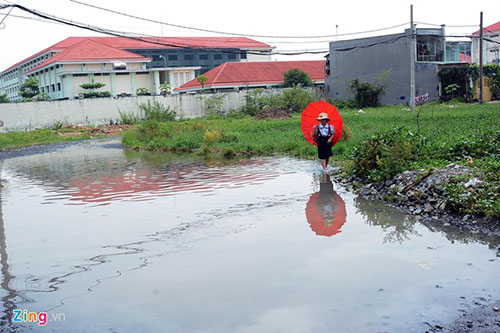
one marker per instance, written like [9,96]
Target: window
[84,67]
[243,54]
[58,87]
[79,75]
[156,58]
[142,73]
[103,66]
[52,87]
[173,57]
[188,57]
[203,56]
[217,56]
[121,73]
[231,56]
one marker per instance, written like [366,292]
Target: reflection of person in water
[326,204]
[325,210]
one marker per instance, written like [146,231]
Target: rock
[474,182]
[428,207]
[418,211]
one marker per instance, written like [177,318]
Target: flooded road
[104,239]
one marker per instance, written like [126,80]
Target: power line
[150,40]
[225,32]
[449,26]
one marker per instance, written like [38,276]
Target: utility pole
[481,59]
[412,60]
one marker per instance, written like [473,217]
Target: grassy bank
[246,135]
[14,140]
[382,142]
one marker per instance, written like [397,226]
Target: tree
[91,88]
[29,88]
[202,79]
[4,99]
[296,77]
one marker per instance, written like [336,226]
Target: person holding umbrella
[323,134]
[322,126]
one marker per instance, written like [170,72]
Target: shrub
[346,133]
[156,111]
[211,136]
[129,118]
[385,154]
[42,97]
[93,85]
[366,94]
[350,104]
[213,103]
[296,99]
[4,99]
[142,92]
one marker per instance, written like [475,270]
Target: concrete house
[385,60]
[125,64]
[491,44]
[246,75]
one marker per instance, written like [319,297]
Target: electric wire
[226,32]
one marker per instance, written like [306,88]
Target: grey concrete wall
[34,115]
[375,57]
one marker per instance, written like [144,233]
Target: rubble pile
[422,193]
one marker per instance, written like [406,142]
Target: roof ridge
[218,74]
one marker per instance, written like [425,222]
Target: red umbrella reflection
[325,210]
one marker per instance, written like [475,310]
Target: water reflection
[400,227]
[106,175]
[325,210]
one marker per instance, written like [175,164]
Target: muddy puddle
[106,240]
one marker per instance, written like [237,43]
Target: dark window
[97,74]
[105,74]
[217,56]
[188,57]
[58,87]
[172,57]
[42,89]
[52,87]
[79,75]
[142,73]
[243,54]
[203,56]
[231,56]
[121,73]
[156,58]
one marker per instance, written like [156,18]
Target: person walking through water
[323,134]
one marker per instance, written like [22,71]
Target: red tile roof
[489,29]
[126,43]
[90,50]
[256,73]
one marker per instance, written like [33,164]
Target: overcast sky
[20,38]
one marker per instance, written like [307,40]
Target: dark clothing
[324,147]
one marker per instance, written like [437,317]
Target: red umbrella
[312,111]
[326,214]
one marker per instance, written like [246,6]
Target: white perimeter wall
[99,111]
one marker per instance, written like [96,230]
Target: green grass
[13,140]
[284,137]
